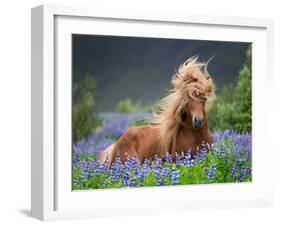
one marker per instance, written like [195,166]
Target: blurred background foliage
[127,106]
[84,120]
[232,108]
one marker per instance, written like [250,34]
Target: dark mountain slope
[141,68]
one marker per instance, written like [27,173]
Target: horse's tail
[107,155]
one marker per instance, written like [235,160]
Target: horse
[181,123]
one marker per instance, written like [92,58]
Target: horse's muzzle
[197,123]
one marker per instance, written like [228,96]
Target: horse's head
[195,91]
[195,109]
[192,94]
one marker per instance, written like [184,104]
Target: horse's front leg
[173,150]
[173,147]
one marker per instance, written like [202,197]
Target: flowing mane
[192,77]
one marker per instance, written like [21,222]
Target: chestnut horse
[180,125]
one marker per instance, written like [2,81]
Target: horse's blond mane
[192,77]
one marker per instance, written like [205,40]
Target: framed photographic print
[137,112]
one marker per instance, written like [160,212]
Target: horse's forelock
[194,77]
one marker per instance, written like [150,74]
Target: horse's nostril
[196,120]
[197,123]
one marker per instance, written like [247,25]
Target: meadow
[228,161]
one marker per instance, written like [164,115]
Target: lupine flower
[126,178]
[175,177]
[234,170]
[202,154]
[157,163]
[179,161]
[243,173]
[116,169]
[143,172]
[212,172]
[166,172]
[168,157]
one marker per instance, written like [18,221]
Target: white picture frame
[52,197]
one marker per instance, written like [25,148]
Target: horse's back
[142,141]
[138,142]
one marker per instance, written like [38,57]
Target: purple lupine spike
[166,172]
[175,177]
[234,170]
[178,160]
[212,172]
[157,162]
[168,157]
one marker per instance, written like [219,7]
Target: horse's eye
[183,116]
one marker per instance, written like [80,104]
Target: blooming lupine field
[228,161]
